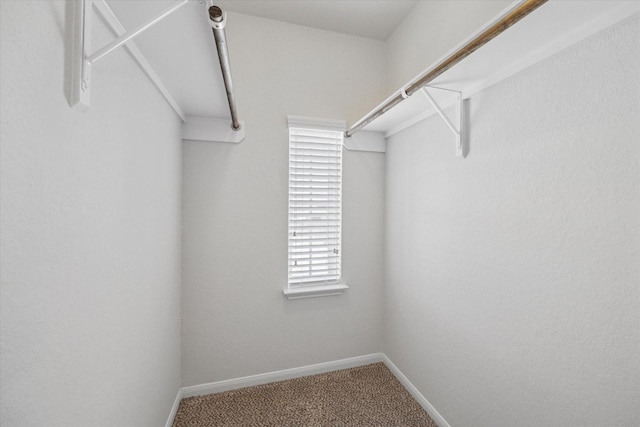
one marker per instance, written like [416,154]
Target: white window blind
[315,206]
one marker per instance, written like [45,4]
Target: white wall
[512,293]
[90,248]
[431,30]
[236,321]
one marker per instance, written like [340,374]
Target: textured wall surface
[90,225]
[512,294]
[236,320]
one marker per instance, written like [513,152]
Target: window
[315,210]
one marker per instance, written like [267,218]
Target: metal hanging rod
[512,17]
[218,20]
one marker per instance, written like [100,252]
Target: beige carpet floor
[363,396]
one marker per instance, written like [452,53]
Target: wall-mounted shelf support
[80,88]
[79,75]
[458,131]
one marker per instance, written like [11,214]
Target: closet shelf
[81,61]
[550,28]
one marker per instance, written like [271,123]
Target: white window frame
[331,284]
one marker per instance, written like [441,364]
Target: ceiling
[182,52]
[375,19]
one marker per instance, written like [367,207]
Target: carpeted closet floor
[363,396]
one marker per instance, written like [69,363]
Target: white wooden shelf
[552,27]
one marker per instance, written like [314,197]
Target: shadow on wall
[66,33]
[466,127]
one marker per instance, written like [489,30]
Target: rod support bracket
[457,130]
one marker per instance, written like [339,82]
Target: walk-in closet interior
[201,196]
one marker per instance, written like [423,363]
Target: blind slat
[315,174]
[325,263]
[319,154]
[314,268]
[298,242]
[315,209]
[307,251]
[317,206]
[318,228]
[319,191]
[310,252]
[321,257]
[298,221]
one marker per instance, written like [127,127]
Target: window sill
[314,291]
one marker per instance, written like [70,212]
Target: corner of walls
[415,393]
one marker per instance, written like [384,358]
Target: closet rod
[218,20]
[506,21]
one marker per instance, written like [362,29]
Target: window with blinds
[315,206]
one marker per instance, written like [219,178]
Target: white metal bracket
[83,60]
[458,131]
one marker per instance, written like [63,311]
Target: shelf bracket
[458,131]
[82,60]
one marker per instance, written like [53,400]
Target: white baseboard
[303,371]
[426,405]
[174,409]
